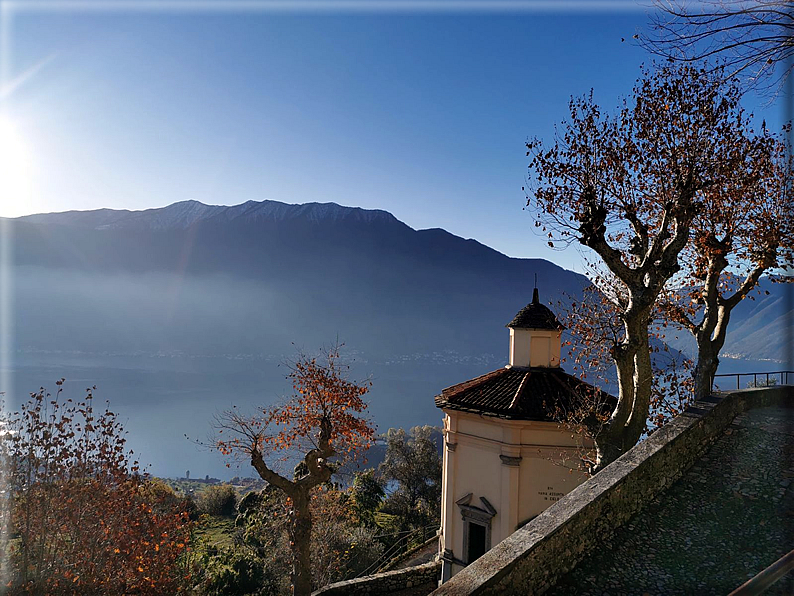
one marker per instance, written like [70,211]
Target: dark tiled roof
[535,316]
[521,394]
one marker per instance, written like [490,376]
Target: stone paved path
[728,518]
[424,555]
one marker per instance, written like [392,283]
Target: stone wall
[412,581]
[531,559]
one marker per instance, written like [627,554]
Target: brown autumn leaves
[79,515]
[323,420]
[683,204]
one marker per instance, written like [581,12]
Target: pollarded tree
[628,187]
[323,420]
[593,323]
[744,230]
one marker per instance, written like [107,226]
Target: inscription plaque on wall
[550,494]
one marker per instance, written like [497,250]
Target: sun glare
[16,180]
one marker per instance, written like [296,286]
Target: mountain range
[284,273]
[178,312]
[326,269]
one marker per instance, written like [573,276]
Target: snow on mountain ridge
[177,215]
[315,212]
[184,214]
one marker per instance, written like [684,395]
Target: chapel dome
[535,316]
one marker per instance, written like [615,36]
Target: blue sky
[423,114]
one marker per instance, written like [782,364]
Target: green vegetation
[218,500]
[413,468]
[772,382]
[153,536]
[213,531]
[194,486]
[356,530]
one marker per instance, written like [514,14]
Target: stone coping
[411,581]
[530,560]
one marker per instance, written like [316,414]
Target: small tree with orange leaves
[324,419]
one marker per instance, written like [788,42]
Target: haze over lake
[179,313]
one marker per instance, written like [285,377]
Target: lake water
[162,398]
[734,366]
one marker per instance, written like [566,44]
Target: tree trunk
[610,439]
[635,379]
[710,338]
[301,534]
[643,384]
[608,449]
[706,368]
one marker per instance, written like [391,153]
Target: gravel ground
[728,518]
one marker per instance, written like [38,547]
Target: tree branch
[277,480]
[316,460]
[749,282]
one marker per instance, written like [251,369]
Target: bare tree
[593,323]
[742,232]
[629,187]
[753,38]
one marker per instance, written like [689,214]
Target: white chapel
[506,457]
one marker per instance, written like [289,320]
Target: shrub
[367,495]
[771,382]
[340,548]
[85,519]
[218,499]
[236,571]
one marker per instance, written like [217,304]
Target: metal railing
[399,547]
[767,379]
[764,580]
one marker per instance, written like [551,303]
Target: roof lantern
[535,336]
[535,316]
